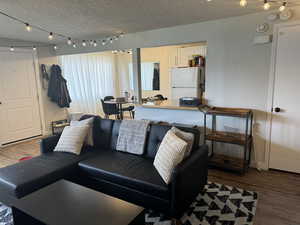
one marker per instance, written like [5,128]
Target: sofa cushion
[27,176]
[126,169]
[102,132]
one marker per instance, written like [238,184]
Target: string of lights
[52,35]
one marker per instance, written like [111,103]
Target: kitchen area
[181,91]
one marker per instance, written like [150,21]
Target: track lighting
[34,48]
[95,44]
[50,37]
[266,5]
[28,27]
[282,8]
[243,3]
[74,45]
[111,40]
[12,48]
[103,42]
[83,43]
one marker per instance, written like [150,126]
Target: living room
[93,105]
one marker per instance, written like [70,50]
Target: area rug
[218,204]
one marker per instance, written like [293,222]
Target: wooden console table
[242,139]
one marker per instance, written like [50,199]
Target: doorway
[285,125]
[19,105]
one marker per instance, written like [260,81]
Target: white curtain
[89,77]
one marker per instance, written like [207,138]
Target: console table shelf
[228,137]
[244,140]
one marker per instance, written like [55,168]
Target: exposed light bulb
[282,8]
[55,47]
[12,49]
[95,44]
[74,45]
[111,40]
[69,41]
[83,43]
[50,37]
[34,48]
[28,27]
[243,3]
[103,42]
[266,5]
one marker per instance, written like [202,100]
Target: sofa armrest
[188,180]
[48,144]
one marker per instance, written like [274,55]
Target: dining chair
[110,109]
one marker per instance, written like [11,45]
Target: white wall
[237,70]
[51,111]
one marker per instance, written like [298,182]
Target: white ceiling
[86,19]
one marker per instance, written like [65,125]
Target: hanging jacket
[57,89]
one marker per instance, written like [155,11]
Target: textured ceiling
[84,19]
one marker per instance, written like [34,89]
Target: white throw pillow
[187,137]
[71,139]
[87,122]
[170,153]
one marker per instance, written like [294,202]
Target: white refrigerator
[186,82]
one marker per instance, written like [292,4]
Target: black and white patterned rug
[217,204]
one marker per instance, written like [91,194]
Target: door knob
[277,109]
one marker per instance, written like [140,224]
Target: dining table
[119,104]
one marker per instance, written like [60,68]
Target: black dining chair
[107,98]
[110,109]
[129,109]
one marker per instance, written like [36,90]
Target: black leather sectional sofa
[129,177]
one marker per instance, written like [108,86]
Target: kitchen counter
[168,104]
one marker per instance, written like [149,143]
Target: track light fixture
[283,7]
[50,37]
[69,42]
[266,5]
[28,27]
[243,3]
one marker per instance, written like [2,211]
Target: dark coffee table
[67,203]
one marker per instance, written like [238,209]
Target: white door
[285,136]
[19,108]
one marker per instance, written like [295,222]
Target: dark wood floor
[278,192]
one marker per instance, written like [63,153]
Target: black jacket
[57,89]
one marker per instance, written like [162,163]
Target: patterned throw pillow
[87,122]
[187,137]
[71,139]
[170,153]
